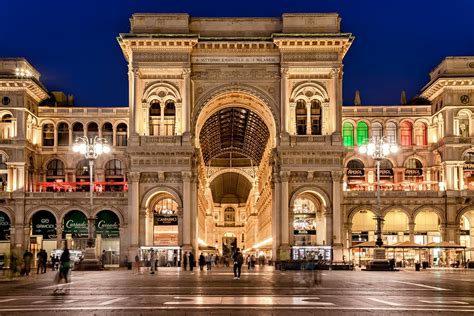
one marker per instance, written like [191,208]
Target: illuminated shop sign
[468,166]
[75,222]
[355,172]
[107,224]
[44,223]
[4,226]
[413,172]
[165,220]
[386,172]
[304,232]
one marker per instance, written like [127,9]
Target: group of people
[207,260]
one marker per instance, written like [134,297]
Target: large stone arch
[463,211]
[10,213]
[151,193]
[230,170]
[242,95]
[320,193]
[357,209]
[401,208]
[114,210]
[65,210]
[432,208]
[32,211]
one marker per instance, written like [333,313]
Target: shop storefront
[413,175]
[5,225]
[107,228]
[43,232]
[355,176]
[75,229]
[311,253]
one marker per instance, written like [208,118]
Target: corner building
[235,136]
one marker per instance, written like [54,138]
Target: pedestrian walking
[63,273]
[103,257]
[137,263]
[216,260]
[152,261]
[209,261]
[201,261]
[249,262]
[39,261]
[44,258]
[185,261]
[238,261]
[27,258]
[192,261]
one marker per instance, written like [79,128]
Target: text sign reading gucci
[166,220]
[236,60]
[44,223]
[4,226]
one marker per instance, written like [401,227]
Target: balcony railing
[119,186]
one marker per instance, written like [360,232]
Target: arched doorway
[308,229]
[107,229]
[43,232]
[427,230]
[75,229]
[5,225]
[363,227]
[466,237]
[395,227]
[235,142]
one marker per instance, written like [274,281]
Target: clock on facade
[464,99]
[5,100]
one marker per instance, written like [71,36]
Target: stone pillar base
[132,252]
[338,253]
[284,253]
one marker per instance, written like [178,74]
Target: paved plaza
[264,291]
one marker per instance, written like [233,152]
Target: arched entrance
[235,133]
[107,229]
[363,226]
[43,232]
[427,230]
[466,238]
[308,233]
[5,225]
[75,229]
[395,227]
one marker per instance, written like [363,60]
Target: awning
[367,244]
[406,244]
[444,244]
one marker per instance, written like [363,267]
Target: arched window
[166,207]
[3,172]
[170,117]
[315,117]
[391,133]
[82,175]
[386,170]
[108,133]
[92,130]
[154,118]
[114,172]
[355,164]
[377,130]
[54,172]
[421,135]
[406,130]
[413,163]
[463,119]
[301,117]
[229,217]
[121,135]
[348,134]
[63,134]
[48,135]
[362,133]
[77,131]
[7,118]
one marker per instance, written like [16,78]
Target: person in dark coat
[185,260]
[201,261]
[238,261]
[44,257]
[27,258]
[191,261]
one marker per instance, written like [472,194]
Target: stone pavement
[263,291]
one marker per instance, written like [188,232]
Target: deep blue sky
[73,43]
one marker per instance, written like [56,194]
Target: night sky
[73,43]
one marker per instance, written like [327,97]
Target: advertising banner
[44,223]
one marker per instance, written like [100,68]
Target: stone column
[284,215]
[133,213]
[179,212]
[9,178]
[411,229]
[71,140]
[337,214]
[143,229]
[187,229]
[132,87]
[308,119]
[328,220]
[149,227]
[284,99]
[348,241]
[276,221]
[186,104]
[461,177]
[195,215]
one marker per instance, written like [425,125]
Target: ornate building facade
[234,136]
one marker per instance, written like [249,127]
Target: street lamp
[91,148]
[378,148]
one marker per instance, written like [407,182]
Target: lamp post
[91,148]
[378,148]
